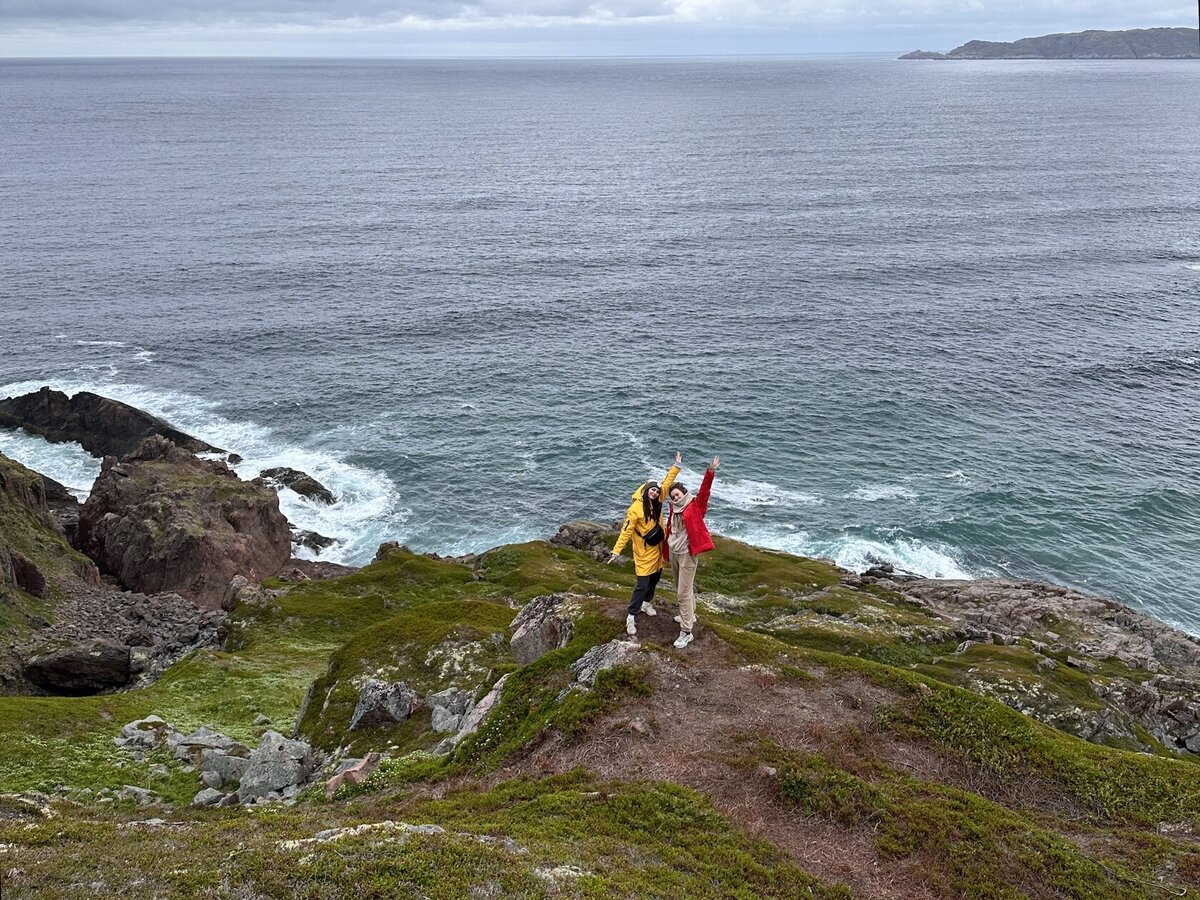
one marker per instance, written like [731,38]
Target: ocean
[942,315]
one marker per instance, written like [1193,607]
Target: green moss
[430,647]
[536,568]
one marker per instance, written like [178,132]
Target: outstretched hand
[612,558]
[678,459]
[715,464]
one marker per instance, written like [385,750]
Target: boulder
[382,703]
[599,658]
[81,669]
[224,766]
[449,707]
[192,746]
[163,520]
[545,623]
[311,540]
[300,482]
[475,718]
[357,773]
[277,765]
[208,797]
[593,538]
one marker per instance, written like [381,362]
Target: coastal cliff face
[1142,43]
[161,519]
[483,727]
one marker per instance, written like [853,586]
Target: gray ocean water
[942,315]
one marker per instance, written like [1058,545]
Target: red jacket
[699,540]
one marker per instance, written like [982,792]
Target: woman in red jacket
[687,537]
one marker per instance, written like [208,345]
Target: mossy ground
[1101,819]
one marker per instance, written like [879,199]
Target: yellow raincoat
[646,560]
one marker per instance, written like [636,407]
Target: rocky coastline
[1141,43]
[164,658]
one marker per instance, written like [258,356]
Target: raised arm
[672,474]
[706,485]
[623,537]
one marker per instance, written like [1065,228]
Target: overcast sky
[546,27]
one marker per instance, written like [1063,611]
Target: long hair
[651,509]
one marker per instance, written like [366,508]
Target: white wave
[143,356]
[368,508]
[859,554]
[1194,268]
[742,494]
[873,493]
[99,343]
[68,464]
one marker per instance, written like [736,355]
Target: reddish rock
[163,520]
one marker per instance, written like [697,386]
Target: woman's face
[652,492]
[676,495]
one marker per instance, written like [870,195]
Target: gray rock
[599,658]
[449,707]
[277,764]
[208,797]
[142,796]
[382,703]
[225,766]
[545,623]
[159,771]
[211,779]
[475,717]
[260,719]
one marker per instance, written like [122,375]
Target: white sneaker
[685,638]
[649,610]
[630,628]
[678,620]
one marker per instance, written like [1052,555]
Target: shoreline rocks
[103,427]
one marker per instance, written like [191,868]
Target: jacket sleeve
[705,488]
[626,533]
[672,474]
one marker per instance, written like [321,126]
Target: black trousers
[643,591]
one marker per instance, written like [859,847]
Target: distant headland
[1138,43]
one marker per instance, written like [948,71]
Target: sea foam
[367,510]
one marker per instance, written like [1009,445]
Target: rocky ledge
[162,519]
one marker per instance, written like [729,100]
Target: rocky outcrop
[88,668]
[163,520]
[605,656]
[545,623]
[1102,639]
[278,769]
[311,540]
[448,708]
[155,631]
[383,703]
[475,718]
[353,772]
[103,427]
[300,482]
[593,538]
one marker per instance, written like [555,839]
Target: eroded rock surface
[300,482]
[545,623]
[163,520]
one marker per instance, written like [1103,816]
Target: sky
[432,28]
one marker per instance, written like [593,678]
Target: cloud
[454,27]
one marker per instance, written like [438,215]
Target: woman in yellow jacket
[644,517]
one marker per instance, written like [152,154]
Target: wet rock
[87,668]
[300,482]
[601,657]
[163,520]
[382,703]
[102,426]
[311,540]
[545,623]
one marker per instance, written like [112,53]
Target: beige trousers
[683,567]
